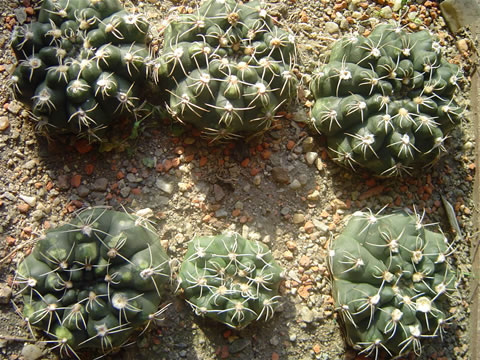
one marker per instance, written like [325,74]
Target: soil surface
[281,189]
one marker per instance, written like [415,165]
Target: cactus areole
[230,279]
[385,102]
[229,68]
[391,275]
[93,282]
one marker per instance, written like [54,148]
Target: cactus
[385,101]
[229,68]
[390,274]
[230,279]
[81,66]
[93,282]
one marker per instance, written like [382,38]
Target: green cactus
[390,274]
[385,101]
[93,282]
[229,68]
[81,67]
[230,279]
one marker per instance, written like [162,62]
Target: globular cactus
[385,101]
[390,275]
[230,279]
[230,68]
[81,66]
[93,282]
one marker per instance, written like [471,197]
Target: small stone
[4,123]
[323,228]
[221,213]
[132,178]
[257,180]
[38,215]
[280,175]
[100,184]
[331,27]
[304,261]
[218,192]
[62,182]
[386,12]
[29,165]
[164,186]
[306,314]
[32,352]
[462,45]
[298,218]
[14,108]
[83,191]
[183,186]
[308,144]
[314,196]
[291,245]
[285,210]
[319,164]
[30,200]
[288,255]
[124,192]
[5,294]
[23,208]
[295,184]
[310,157]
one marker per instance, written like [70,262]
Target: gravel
[294,199]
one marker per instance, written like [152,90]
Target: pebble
[295,184]
[462,45]
[311,156]
[221,213]
[4,123]
[323,228]
[280,175]
[307,315]
[331,27]
[5,294]
[164,186]
[14,108]
[298,218]
[62,182]
[288,255]
[124,192]
[38,215]
[386,12]
[100,184]
[308,144]
[30,164]
[30,200]
[83,191]
[218,192]
[132,178]
[23,208]
[319,164]
[314,196]
[32,352]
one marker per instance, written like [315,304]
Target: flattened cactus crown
[390,274]
[81,66]
[385,101]
[230,279]
[229,66]
[93,282]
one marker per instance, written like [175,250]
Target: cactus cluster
[230,279]
[229,68]
[93,282]
[385,101]
[390,274]
[81,66]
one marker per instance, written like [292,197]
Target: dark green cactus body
[229,68]
[91,283]
[230,279]
[82,66]
[385,101]
[390,274]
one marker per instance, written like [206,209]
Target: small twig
[16,338]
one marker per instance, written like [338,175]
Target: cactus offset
[93,282]
[81,66]
[390,274]
[385,101]
[230,279]
[229,68]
